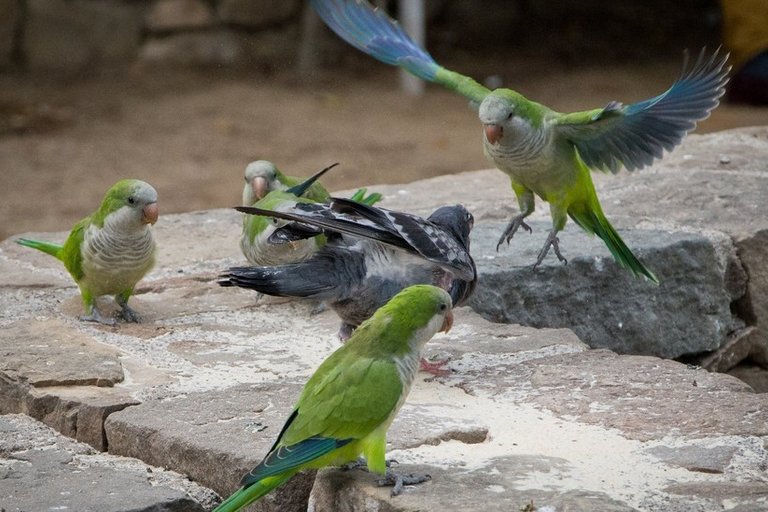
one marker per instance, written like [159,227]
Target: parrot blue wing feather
[285,458]
[633,136]
[373,32]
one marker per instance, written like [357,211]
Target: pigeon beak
[493,133]
[260,187]
[447,322]
[149,214]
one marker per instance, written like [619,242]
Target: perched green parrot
[109,251]
[347,406]
[547,153]
[263,177]
[263,242]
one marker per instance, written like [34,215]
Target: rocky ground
[551,414]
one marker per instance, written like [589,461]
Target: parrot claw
[436,368]
[516,223]
[552,241]
[358,464]
[398,481]
[96,316]
[129,315]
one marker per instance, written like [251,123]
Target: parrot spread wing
[634,135]
[373,32]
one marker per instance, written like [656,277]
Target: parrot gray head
[129,204]
[504,111]
[261,177]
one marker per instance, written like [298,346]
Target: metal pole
[413,19]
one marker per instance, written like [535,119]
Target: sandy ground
[63,142]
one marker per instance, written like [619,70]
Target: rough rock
[42,470]
[689,313]
[77,34]
[754,375]
[60,376]
[168,15]
[63,356]
[215,445]
[256,13]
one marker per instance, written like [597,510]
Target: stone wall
[77,35]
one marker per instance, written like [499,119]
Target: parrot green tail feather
[594,221]
[247,495]
[46,247]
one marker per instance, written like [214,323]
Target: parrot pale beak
[149,213]
[493,133]
[260,187]
[447,322]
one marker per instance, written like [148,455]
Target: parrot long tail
[248,494]
[594,221]
[47,247]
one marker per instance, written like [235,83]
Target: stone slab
[51,353]
[42,470]
[689,313]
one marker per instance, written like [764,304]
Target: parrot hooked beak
[149,214]
[260,187]
[447,322]
[493,132]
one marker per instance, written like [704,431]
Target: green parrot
[347,406]
[547,153]
[263,177]
[263,242]
[109,251]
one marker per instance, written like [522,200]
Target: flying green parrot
[547,153]
[263,241]
[109,251]
[347,406]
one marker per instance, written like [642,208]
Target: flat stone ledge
[42,470]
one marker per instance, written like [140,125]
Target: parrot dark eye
[131,200]
[511,114]
[443,307]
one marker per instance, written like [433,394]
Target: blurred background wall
[81,35]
